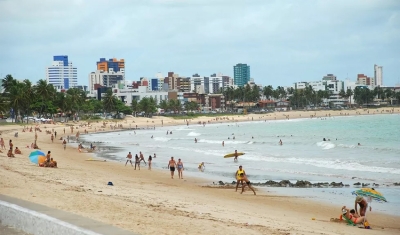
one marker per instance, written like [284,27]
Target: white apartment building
[105,78]
[378,75]
[208,85]
[62,74]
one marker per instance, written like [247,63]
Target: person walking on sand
[11,144]
[64,144]
[171,166]
[137,161]
[52,138]
[129,157]
[240,174]
[179,165]
[142,158]
[3,146]
[235,159]
[149,161]
[247,182]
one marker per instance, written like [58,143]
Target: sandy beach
[150,202]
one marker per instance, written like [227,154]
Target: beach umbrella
[37,157]
[371,194]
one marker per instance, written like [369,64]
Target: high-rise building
[241,74]
[109,73]
[378,74]
[111,65]
[62,74]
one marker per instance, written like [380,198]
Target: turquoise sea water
[303,156]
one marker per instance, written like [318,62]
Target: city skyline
[280,40]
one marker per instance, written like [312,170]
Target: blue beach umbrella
[37,157]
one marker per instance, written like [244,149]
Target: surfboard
[233,154]
[95,160]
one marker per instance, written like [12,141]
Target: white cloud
[279,39]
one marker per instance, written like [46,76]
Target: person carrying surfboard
[235,159]
[240,174]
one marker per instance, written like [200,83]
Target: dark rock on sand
[233,182]
[285,183]
[271,183]
[302,184]
[334,184]
[221,183]
[357,184]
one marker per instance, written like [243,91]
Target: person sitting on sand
[48,159]
[10,154]
[17,151]
[353,216]
[53,163]
[35,146]
[248,185]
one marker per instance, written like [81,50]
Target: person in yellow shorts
[201,166]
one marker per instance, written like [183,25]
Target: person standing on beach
[129,157]
[64,144]
[179,165]
[142,158]
[363,205]
[3,146]
[52,138]
[149,161]
[137,161]
[247,182]
[11,144]
[240,174]
[171,166]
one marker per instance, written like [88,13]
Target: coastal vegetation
[23,99]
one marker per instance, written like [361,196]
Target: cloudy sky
[283,41]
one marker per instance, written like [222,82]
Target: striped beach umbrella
[370,193]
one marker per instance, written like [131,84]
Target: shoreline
[80,187]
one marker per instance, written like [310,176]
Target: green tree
[109,101]
[164,105]
[148,105]
[135,107]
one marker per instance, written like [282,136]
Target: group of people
[353,215]
[172,165]
[139,159]
[49,162]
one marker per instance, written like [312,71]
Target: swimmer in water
[201,166]
[280,142]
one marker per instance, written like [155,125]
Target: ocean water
[303,156]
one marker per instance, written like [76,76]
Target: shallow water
[303,156]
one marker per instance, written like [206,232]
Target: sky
[283,41]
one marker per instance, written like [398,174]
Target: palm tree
[109,101]
[349,94]
[45,93]
[135,107]
[268,92]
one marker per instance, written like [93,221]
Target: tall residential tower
[62,74]
[378,74]
[241,74]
